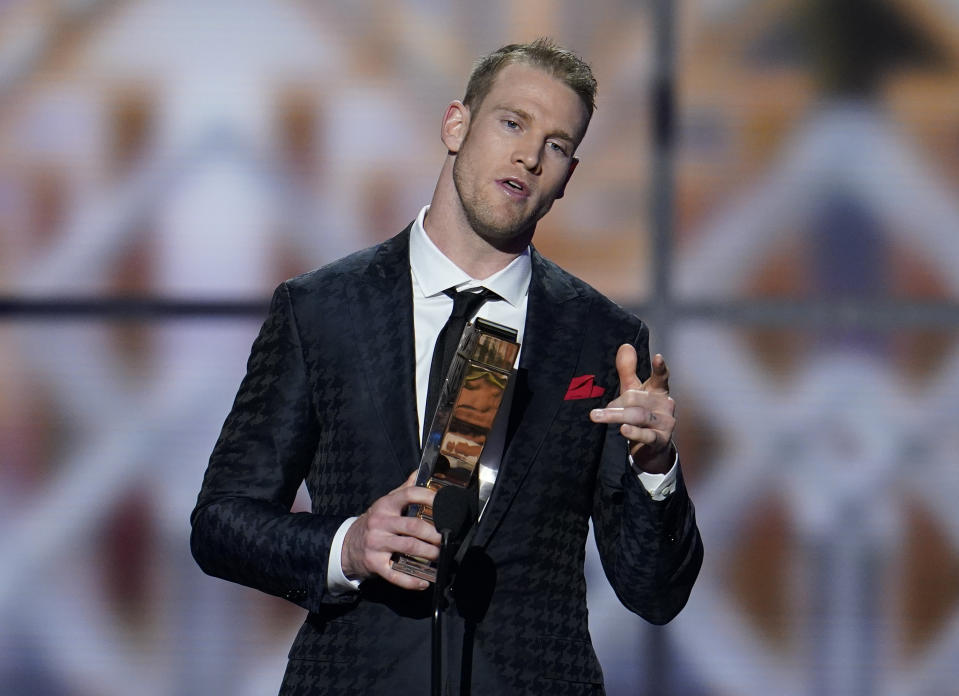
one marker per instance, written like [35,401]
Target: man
[335,395]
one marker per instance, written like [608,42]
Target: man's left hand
[646,411]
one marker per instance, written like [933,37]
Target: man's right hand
[382,531]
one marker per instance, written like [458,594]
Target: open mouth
[514,187]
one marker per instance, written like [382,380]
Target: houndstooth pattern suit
[329,398]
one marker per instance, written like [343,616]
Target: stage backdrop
[789,230]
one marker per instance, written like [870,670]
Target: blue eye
[511,124]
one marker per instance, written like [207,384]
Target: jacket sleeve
[651,550]
[242,526]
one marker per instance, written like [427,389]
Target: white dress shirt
[431,273]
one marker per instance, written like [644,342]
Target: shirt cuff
[659,486]
[336,581]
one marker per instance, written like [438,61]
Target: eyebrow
[561,134]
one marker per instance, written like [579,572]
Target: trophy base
[418,568]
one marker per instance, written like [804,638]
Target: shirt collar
[433,272]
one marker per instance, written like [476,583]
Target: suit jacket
[329,398]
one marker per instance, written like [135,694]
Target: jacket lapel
[381,311]
[550,352]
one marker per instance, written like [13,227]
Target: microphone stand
[439,604]
[454,510]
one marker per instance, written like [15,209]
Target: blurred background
[772,184]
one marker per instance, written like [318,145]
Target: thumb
[659,379]
[626,368]
[411,479]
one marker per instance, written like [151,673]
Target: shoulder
[333,279]
[561,284]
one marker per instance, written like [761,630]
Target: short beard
[509,239]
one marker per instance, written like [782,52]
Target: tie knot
[467,303]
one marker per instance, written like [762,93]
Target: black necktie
[465,306]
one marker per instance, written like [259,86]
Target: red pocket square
[583,387]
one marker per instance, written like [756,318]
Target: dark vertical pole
[662,194]
[662,189]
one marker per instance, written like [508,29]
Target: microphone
[454,511]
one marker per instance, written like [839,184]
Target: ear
[573,163]
[456,122]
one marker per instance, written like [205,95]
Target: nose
[529,153]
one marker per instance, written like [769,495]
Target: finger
[626,362]
[640,436]
[633,415]
[411,479]
[414,527]
[389,541]
[652,401]
[407,495]
[384,524]
[659,379]
[407,582]
[414,547]
[620,414]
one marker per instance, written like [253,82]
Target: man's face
[517,155]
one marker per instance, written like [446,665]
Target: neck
[447,227]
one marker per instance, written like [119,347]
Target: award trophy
[467,408]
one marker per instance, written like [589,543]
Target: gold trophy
[467,408]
